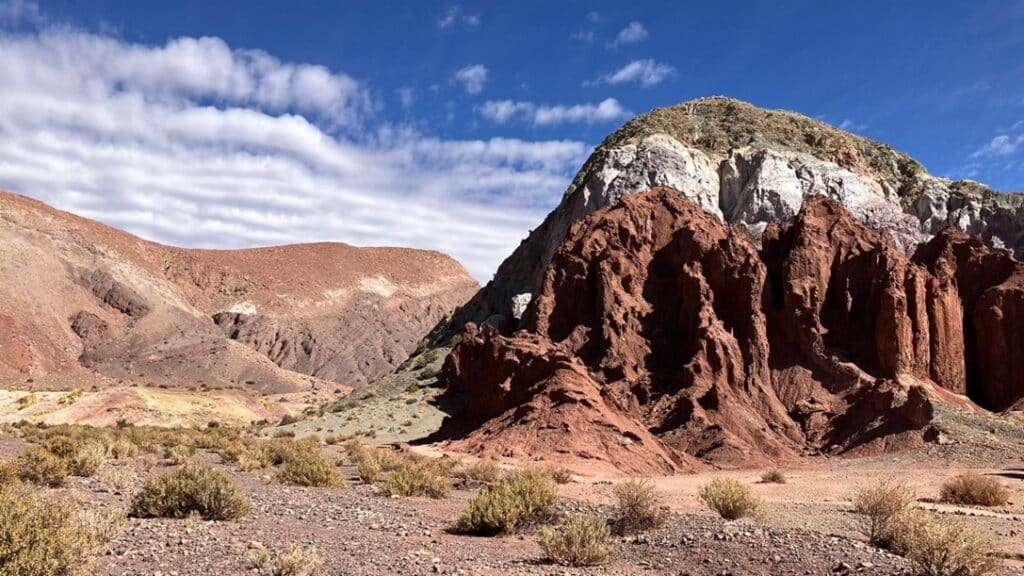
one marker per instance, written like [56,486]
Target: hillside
[85,306]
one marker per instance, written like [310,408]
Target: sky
[455,126]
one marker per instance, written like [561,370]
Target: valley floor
[808,530]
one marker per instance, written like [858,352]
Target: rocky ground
[808,529]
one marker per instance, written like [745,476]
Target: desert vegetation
[974,490]
[637,507]
[525,497]
[731,499]
[581,540]
[201,490]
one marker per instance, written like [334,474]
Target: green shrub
[41,467]
[309,470]
[877,505]
[202,490]
[416,479]
[940,546]
[583,540]
[974,490]
[526,496]
[50,537]
[637,507]
[731,498]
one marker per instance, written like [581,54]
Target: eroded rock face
[658,323]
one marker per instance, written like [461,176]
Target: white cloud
[454,15]
[406,96]
[1001,145]
[645,72]
[593,16]
[501,111]
[196,144]
[631,34]
[21,11]
[473,78]
[852,126]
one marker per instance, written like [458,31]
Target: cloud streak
[472,78]
[194,143]
[503,111]
[634,32]
[645,72]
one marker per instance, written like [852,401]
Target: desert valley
[744,342]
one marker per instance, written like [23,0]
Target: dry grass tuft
[774,476]
[298,561]
[940,546]
[732,499]
[525,496]
[50,537]
[974,490]
[202,490]
[878,505]
[117,479]
[583,540]
[637,507]
[481,471]
[309,470]
[41,467]
[417,479]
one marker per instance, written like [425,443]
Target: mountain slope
[85,305]
[749,166]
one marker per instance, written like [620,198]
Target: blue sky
[455,126]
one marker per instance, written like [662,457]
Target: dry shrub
[416,479]
[179,454]
[368,470]
[731,498]
[8,473]
[202,490]
[41,467]
[525,496]
[559,474]
[774,476]
[637,507]
[582,540]
[481,471]
[877,505]
[50,537]
[974,490]
[116,479]
[940,546]
[122,449]
[309,470]
[298,561]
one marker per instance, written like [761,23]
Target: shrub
[49,537]
[190,489]
[416,479]
[8,474]
[298,561]
[975,490]
[481,471]
[122,449]
[368,470]
[583,540]
[774,476]
[40,467]
[117,479]
[558,474]
[731,499]
[88,459]
[637,507]
[941,547]
[179,453]
[878,505]
[507,504]
[309,470]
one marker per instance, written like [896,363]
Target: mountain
[86,306]
[730,286]
[752,166]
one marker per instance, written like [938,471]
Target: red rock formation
[660,328]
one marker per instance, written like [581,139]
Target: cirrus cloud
[645,72]
[502,111]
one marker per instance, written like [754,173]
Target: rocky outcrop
[114,293]
[659,326]
[753,167]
